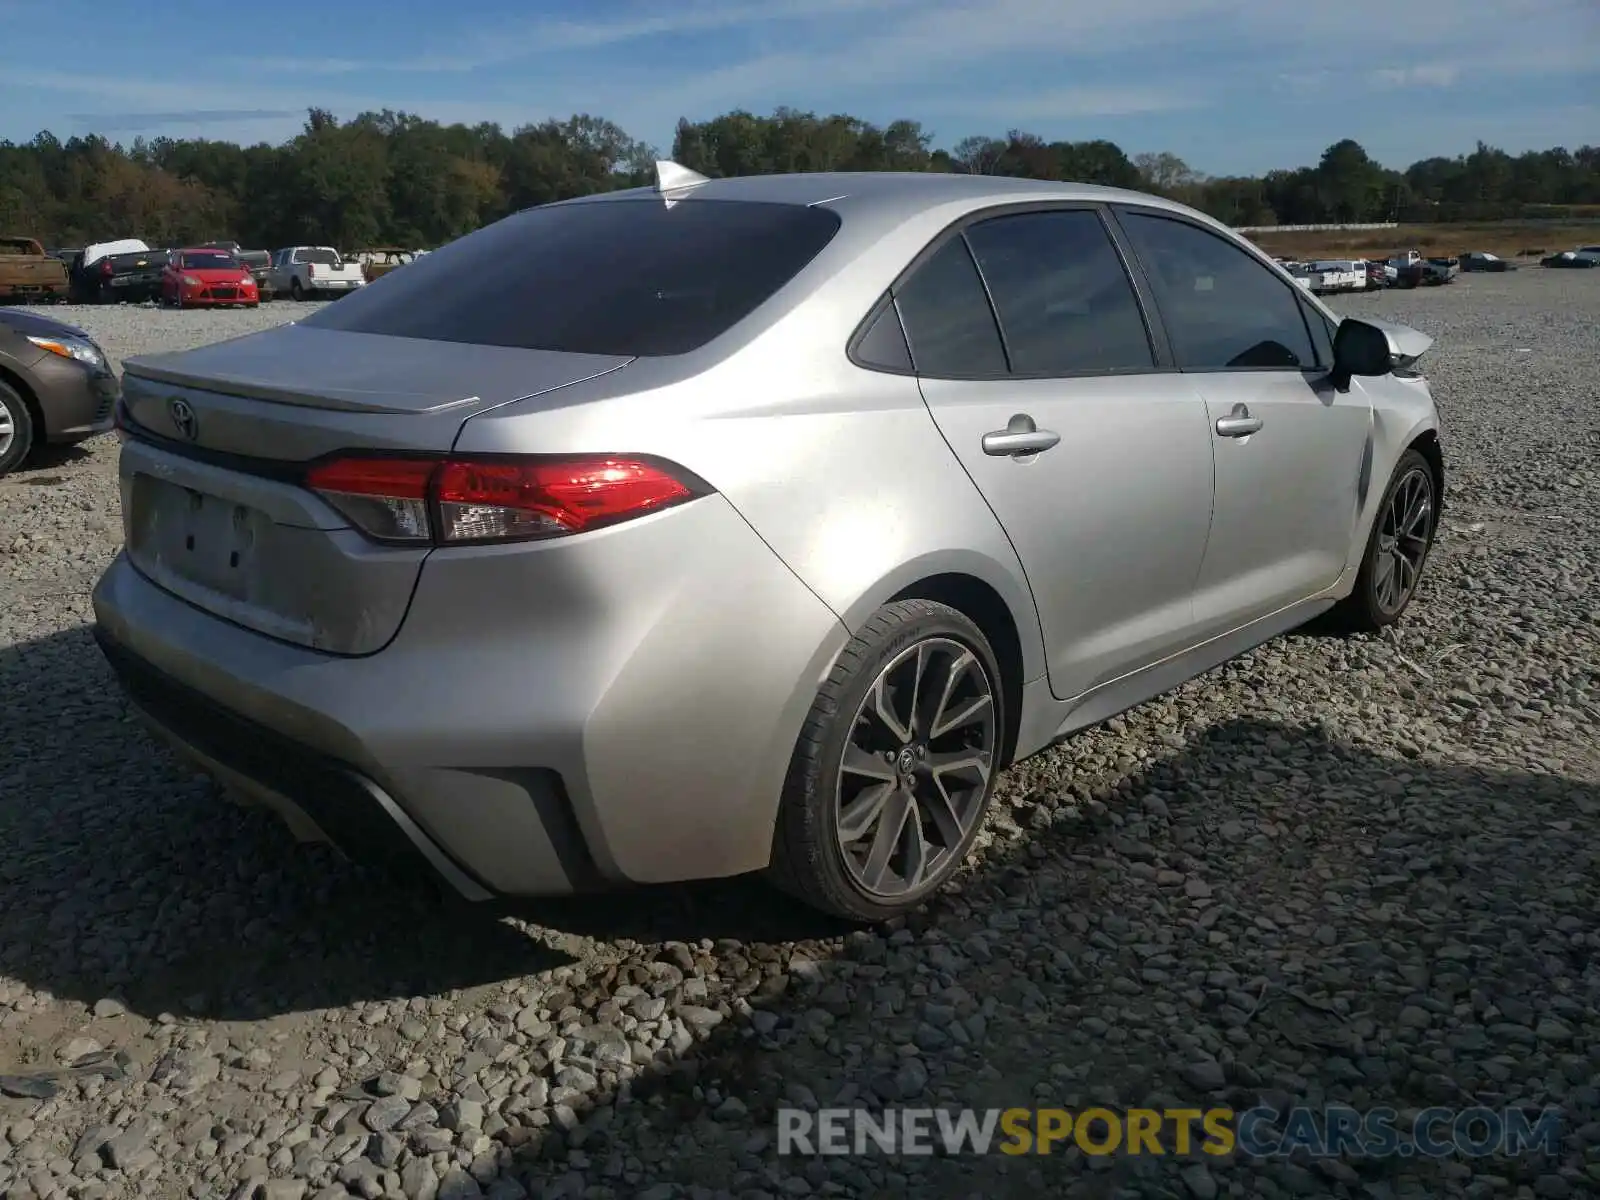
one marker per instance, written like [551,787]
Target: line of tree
[390,178]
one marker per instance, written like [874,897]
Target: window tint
[624,277]
[947,317]
[1065,302]
[1222,308]
[884,343]
[322,256]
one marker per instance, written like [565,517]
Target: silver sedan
[748,524]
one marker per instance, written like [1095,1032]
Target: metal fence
[1312,228]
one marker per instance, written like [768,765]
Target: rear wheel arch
[985,608]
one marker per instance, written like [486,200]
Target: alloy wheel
[915,770]
[1403,539]
[8,430]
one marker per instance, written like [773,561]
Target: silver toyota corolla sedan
[746,524]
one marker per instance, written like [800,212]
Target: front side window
[1065,303]
[947,317]
[1223,310]
[612,277]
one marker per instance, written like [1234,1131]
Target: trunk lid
[213,508]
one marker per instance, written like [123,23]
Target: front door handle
[1020,436]
[1238,423]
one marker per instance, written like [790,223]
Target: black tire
[808,860]
[1363,610]
[296,291]
[15,411]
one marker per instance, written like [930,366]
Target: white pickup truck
[304,272]
[1412,269]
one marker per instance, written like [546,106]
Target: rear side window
[615,277]
[1223,310]
[883,344]
[1066,305]
[947,317]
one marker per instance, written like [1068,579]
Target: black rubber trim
[547,792]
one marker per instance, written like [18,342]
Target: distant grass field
[1507,239]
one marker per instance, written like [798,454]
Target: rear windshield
[617,277]
[210,260]
[320,255]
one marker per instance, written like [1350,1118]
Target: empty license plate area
[195,537]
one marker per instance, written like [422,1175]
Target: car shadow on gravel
[41,466]
[1260,914]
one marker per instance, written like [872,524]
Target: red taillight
[105,268]
[451,501]
[385,497]
[311,270]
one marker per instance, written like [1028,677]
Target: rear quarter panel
[840,471]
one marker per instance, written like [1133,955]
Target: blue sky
[1228,85]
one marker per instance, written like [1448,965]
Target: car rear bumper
[629,719]
[319,798]
[76,403]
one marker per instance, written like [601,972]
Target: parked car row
[1412,269]
[217,272]
[1582,257]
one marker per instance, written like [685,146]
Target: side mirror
[1359,349]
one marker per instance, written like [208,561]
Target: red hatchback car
[194,278]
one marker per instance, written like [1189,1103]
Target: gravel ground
[1357,871]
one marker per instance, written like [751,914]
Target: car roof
[908,192]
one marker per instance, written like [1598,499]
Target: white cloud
[528,41]
[1434,75]
[1068,103]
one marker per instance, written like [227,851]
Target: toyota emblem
[183,419]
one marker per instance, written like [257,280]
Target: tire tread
[799,836]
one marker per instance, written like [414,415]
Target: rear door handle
[1238,423]
[1020,436]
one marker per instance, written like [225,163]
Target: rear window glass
[213,260]
[319,255]
[619,277]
